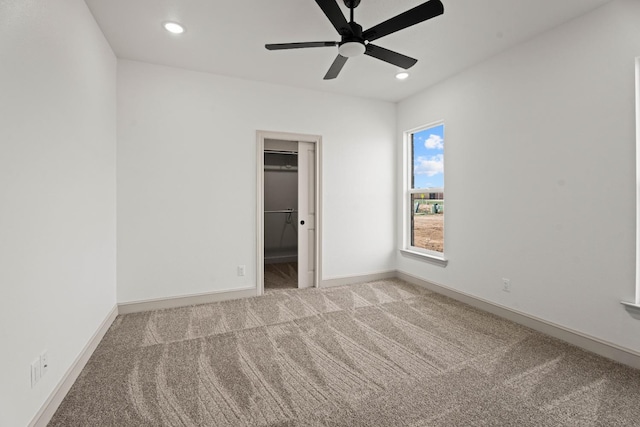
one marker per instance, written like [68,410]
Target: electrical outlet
[35,372]
[241,270]
[506,285]
[44,363]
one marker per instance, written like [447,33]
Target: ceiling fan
[356,42]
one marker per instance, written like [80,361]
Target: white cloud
[434,141]
[429,166]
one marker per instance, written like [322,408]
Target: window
[424,195]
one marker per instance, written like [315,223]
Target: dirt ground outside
[428,232]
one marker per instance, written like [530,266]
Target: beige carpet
[280,276]
[375,354]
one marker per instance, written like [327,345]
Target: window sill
[440,261]
[631,307]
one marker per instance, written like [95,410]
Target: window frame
[438,258]
[634,305]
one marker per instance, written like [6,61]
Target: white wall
[540,175]
[57,193]
[187,178]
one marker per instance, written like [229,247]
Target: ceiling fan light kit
[351,49]
[355,42]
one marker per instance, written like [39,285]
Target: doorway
[288,211]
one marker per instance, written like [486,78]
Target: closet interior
[280,214]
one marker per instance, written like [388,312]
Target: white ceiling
[228,38]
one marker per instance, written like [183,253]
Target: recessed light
[402,75]
[173,27]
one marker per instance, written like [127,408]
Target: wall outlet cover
[44,363]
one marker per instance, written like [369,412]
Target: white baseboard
[603,348]
[185,300]
[44,415]
[351,280]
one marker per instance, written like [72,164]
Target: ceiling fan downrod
[351,4]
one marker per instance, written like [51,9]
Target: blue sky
[428,156]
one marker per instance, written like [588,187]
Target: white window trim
[635,305]
[434,259]
[437,258]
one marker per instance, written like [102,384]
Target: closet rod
[282,211]
[281,168]
[291,153]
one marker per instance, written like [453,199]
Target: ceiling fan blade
[333,12]
[390,56]
[335,68]
[418,14]
[281,46]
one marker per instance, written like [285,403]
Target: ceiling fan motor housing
[352,44]
[351,3]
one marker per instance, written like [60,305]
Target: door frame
[261,135]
